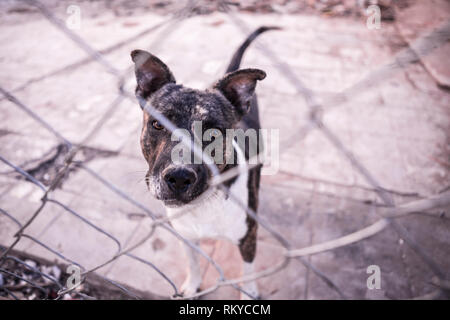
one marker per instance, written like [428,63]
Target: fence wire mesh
[388,217]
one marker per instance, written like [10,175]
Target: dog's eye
[157,125]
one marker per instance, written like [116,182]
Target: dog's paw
[254,296]
[252,290]
[190,287]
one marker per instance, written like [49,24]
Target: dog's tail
[236,60]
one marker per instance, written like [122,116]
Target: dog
[196,209]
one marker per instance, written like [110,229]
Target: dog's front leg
[247,248]
[194,277]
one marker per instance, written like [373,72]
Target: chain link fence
[291,254]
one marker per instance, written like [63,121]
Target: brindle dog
[207,212]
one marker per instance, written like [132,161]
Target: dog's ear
[239,86]
[151,73]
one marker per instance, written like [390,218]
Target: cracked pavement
[398,129]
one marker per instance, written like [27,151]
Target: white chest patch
[213,215]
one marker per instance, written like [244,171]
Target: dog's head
[217,109]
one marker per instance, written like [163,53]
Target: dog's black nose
[180,180]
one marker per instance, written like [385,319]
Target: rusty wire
[387,218]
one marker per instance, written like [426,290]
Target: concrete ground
[398,129]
